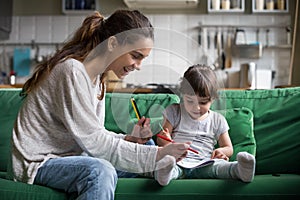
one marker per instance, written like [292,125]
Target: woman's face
[132,58]
[196,106]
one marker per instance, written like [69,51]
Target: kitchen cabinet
[5,19]
[270,6]
[225,6]
[78,6]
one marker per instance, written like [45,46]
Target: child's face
[196,106]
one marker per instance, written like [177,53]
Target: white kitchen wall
[176,45]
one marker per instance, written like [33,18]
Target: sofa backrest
[276,121]
[276,126]
[10,102]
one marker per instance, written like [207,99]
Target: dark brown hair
[94,30]
[199,80]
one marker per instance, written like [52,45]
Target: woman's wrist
[158,154]
[133,139]
[129,138]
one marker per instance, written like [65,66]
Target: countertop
[125,90]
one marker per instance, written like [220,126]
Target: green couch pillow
[240,121]
[120,116]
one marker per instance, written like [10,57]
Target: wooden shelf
[79,7]
[220,9]
[275,6]
[283,46]
[263,26]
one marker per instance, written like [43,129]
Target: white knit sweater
[63,117]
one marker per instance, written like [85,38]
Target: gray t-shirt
[65,118]
[203,134]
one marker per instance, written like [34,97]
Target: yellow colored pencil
[135,108]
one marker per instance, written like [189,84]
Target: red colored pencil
[169,140]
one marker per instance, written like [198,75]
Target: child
[193,121]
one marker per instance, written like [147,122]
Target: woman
[63,113]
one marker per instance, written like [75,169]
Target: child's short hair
[199,80]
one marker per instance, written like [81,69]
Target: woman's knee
[78,174]
[101,169]
[98,179]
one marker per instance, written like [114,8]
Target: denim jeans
[220,169]
[86,177]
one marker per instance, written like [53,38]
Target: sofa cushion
[240,121]
[9,107]
[10,190]
[266,187]
[120,116]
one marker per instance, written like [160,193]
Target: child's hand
[217,153]
[166,134]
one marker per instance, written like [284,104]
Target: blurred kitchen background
[250,43]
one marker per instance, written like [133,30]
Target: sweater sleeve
[76,110]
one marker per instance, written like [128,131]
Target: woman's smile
[128,69]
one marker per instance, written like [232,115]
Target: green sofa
[265,123]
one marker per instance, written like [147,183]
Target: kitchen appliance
[248,75]
[253,51]
[240,36]
[243,49]
[264,78]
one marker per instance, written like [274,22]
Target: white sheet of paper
[195,163]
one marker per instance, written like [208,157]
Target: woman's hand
[141,132]
[218,153]
[177,150]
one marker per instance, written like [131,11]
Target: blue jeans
[219,169]
[86,177]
